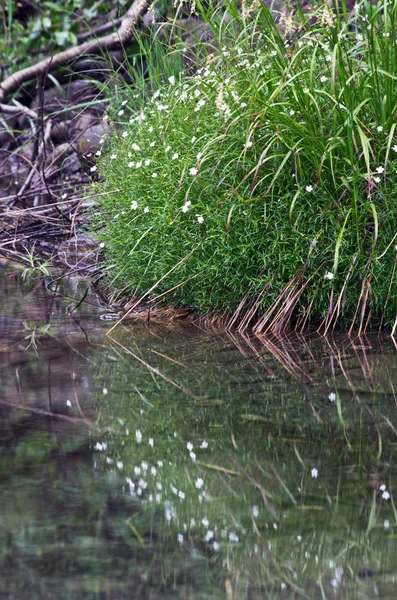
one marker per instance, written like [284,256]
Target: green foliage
[46,26]
[271,167]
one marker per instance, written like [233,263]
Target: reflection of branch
[180,386]
[41,411]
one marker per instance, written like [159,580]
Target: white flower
[380,169]
[204,443]
[180,538]
[328,58]
[309,188]
[386,524]
[146,210]
[68,403]
[199,483]
[255,511]
[216,546]
[329,275]
[209,535]
[175,156]
[323,79]
[382,487]
[184,209]
[189,446]
[386,495]
[124,102]
[102,245]
[124,134]
[243,104]
[104,391]
[138,436]
[332,397]
[171,80]
[248,144]
[94,168]
[147,162]
[64,196]
[205,522]
[377,179]
[152,144]
[154,175]
[119,464]
[131,164]
[136,147]
[395,148]
[134,205]
[100,447]
[194,139]
[120,113]
[379,128]
[168,148]
[291,112]
[193,171]
[233,537]
[137,470]
[193,456]
[151,440]
[314,473]
[113,157]
[200,220]
[181,495]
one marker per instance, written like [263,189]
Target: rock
[61,131]
[68,95]
[89,139]
[79,252]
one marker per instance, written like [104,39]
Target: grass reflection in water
[177,463]
[283,483]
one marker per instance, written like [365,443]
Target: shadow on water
[178,463]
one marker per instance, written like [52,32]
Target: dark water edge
[172,462]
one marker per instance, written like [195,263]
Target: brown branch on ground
[113,40]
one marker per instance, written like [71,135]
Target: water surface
[172,462]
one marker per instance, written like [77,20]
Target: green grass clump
[268,175]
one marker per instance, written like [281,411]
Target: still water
[176,463]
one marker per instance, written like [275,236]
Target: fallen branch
[121,36]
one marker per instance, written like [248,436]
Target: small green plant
[35,266]
[263,184]
[33,332]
